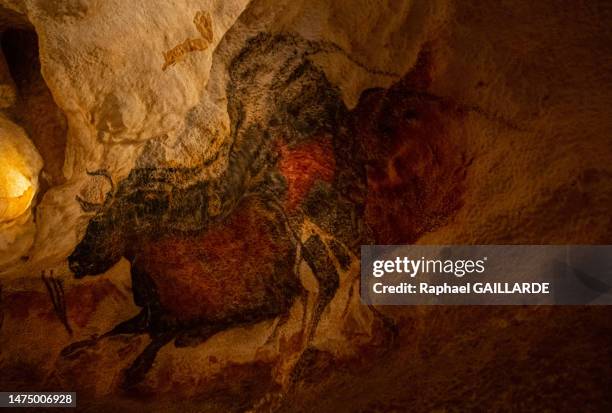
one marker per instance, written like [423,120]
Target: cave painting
[198,270]
[189,238]
[203,23]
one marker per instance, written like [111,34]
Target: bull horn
[88,206]
[104,173]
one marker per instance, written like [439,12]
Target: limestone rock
[184,187]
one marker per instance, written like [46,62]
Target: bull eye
[149,203]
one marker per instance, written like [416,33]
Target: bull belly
[240,269]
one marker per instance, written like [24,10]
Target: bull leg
[303,297]
[315,254]
[281,321]
[388,323]
[135,325]
[137,371]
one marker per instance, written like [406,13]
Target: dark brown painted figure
[295,152]
[194,272]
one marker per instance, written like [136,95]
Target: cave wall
[210,168]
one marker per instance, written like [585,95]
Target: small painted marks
[203,23]
[178,52]
[55,288]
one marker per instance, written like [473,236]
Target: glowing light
[16,191]
[14,183]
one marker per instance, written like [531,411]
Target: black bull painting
[210,254]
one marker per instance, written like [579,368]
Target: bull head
[103,244]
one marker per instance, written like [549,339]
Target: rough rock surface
[202,173]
